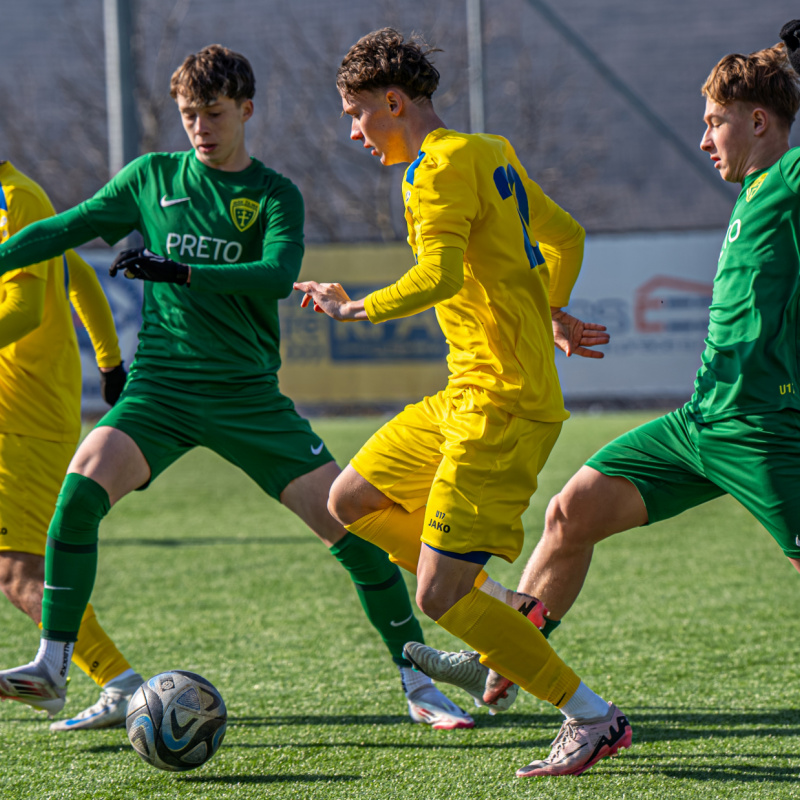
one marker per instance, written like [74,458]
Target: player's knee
[436,599]
[430,601]
[352,498]
[338,507]
[560,528]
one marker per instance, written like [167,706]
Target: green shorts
[677,463]
[261,434]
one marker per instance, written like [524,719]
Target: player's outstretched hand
[790,33]
[576,337]
[331,299]
[112,382]
[147,266]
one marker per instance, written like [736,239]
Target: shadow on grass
[234,779]
[200,541]
[657,724]
[481,720]
[736,768]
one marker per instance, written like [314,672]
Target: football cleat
[108,712]
[580,744]
[33,685]
[430,706]
[462,669]
[427,704]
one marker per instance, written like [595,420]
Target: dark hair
[214,72]
[384,58]
[764,78]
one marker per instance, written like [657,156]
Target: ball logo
[243,212]
[167,683]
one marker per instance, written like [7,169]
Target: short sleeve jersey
[750,363]
[217,341]
[40,374]
[470,191]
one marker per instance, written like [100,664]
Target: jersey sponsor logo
[787,388]
[318,449]
[165,203]
[751,190]
[188,245]
[243,212]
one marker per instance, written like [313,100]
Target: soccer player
[224,242]
[739,433]
[40,424]
[443,485]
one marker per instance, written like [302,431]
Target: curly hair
[214,72]
[764,78]
[384,58]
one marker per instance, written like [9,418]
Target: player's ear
[395,102]
[247,109]
[760,120]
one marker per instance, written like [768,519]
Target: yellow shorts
[31,473]
[473,465]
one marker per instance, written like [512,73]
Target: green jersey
[234,230]
[242,234]
[750,364]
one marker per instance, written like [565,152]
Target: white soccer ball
[176,720]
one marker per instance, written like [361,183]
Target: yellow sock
[512,645]
[95,653]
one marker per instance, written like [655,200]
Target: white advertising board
[653,292]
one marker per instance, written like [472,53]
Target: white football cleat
[428,705]
[33,685]
[462,669]
[108,712]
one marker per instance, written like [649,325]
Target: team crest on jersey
[751,191]
[244,212]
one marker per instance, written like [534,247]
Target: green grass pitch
[689,626]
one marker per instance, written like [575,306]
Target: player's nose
[355,132]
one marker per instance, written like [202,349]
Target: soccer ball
[176,720]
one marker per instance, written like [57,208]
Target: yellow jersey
[493,254]
[40,373]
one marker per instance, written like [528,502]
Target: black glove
[112,383]
[147,266]
[790,33]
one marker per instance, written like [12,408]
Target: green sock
[70,563]
[382,592]
[549,626]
